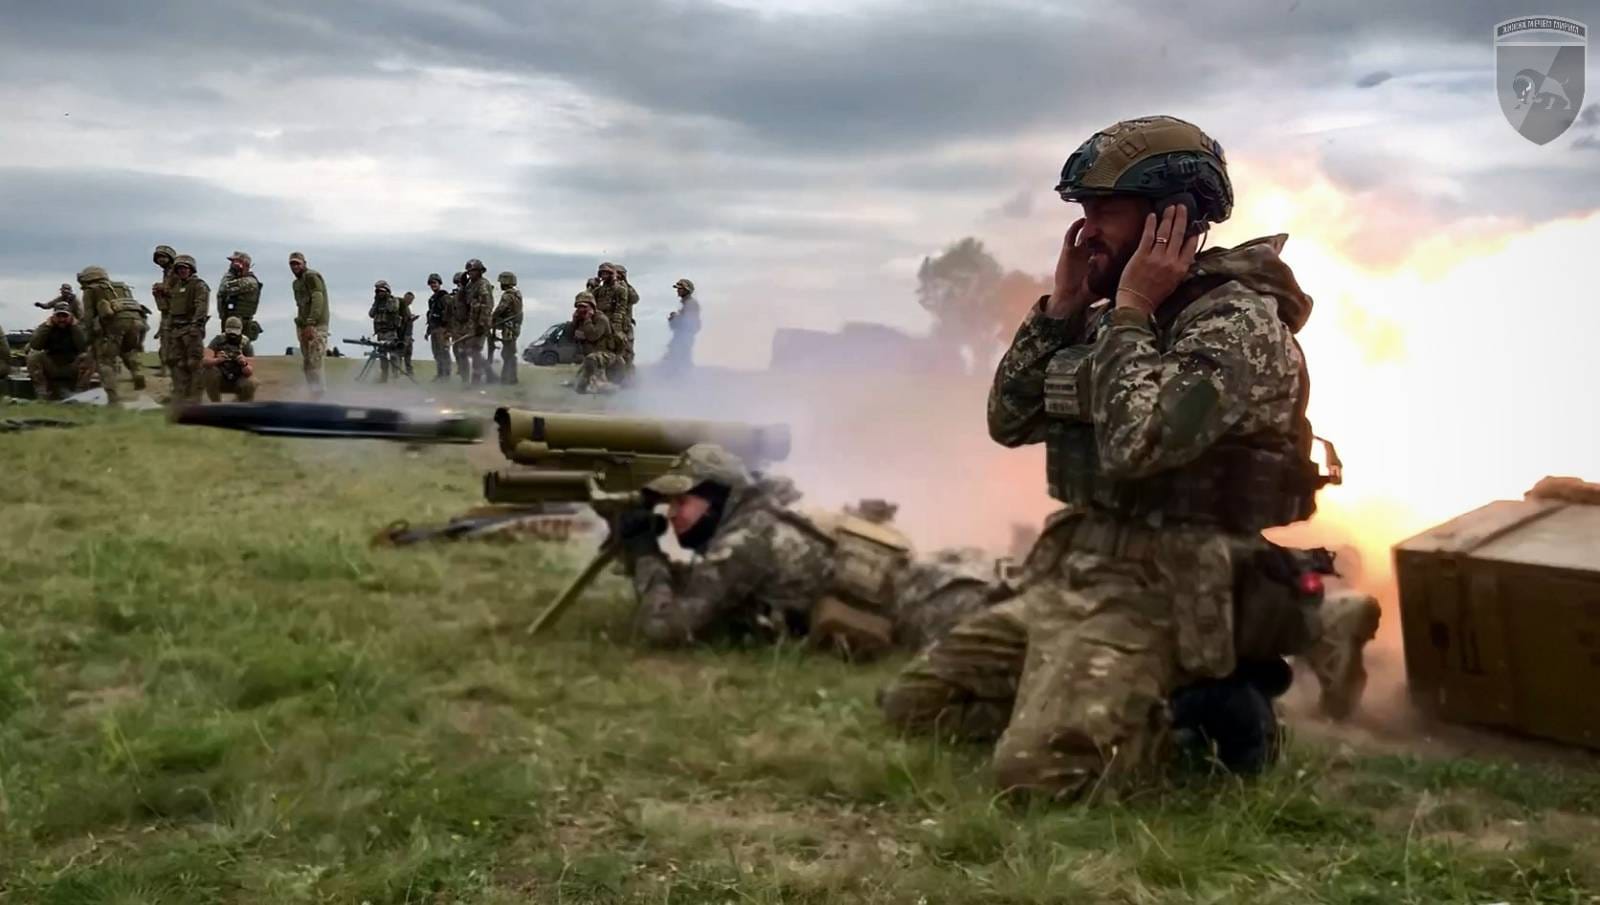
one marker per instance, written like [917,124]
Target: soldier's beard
[1103,281]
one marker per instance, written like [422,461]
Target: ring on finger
[1161,240]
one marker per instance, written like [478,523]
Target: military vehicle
[556,346]
[1500,613]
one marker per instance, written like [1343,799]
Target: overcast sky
[795,159]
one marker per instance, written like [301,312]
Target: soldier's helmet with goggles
[1154,157]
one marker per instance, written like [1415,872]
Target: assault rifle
[558,461]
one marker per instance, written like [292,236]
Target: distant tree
[975,303]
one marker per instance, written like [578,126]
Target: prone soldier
[239,294]
[436,328]
[119,328]
[508,324]
[55,355]
[227,367]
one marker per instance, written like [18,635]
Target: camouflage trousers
[163,348]
[312,352]
[598,372]
[122,339]
[440,340]
[244,389]
[508,358]
[1073,675]
[408,344]
[470,363]
[186,346]
[56,377]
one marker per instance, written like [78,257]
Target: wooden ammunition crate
[1500,610]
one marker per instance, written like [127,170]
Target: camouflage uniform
[408,330]
[460,320]
[612,300]
[188,309]
[1119,609]
[239,295]
[5,355]
[766,567]
[508,324]
[224,371]
[120,328]
[436,330]
[685,324]
[66,295]
[599,345]
[158,291]
[55,356]
[311,314]
[385,314]
[477,298]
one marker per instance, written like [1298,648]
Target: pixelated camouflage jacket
[385,314]
[612,301]
[762,568]
[595,334]
[479,305]
[1160,392]
[508,313]
[189,301]
[238,295]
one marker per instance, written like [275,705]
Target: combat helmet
[382,284]
[167,250]
[507,278]
[459,278]
[702,463]
[473,264]
[91,274]
[1154,157]
[583,298]
[185,261]
[686,284]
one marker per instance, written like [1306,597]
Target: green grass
[213,688]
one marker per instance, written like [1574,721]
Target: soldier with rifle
[508,326]
[239,294]
[227,366]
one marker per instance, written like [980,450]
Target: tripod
[381,353]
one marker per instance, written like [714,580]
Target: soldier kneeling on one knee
[227,364]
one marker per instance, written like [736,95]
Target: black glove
[638,530]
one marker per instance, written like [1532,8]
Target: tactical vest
[182,304]
[123,302]
[386,316]
[241,295]
[856,615]
[1240,484]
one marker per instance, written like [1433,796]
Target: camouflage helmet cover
[459,278]
[606,267]
[167,250]
[583,298]
[435,278]
[185,261]
[381,284]
[242,257]
[702,463]
[507,278]
[233,325]
[685,284]
[474,265]
[67,286]
[91,274]
[1152,157]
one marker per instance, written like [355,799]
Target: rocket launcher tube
[530,437]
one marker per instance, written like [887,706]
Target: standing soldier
[310,320]
[477,299]
[119,328]
[162,257]
[508,324]
[188,309]
[55,355]
[239,294]
[408,332]
[227,367]
[611,299]
[437,327]
[66,295]
[1173,416]
[385,314]
[460,321]
[685,323]
[602,350]
[633,302]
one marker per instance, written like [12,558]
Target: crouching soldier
[227,366]
[56,355]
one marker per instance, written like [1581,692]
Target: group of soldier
[603,326]
[465,321]
[1151,619]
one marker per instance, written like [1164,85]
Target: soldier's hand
[1161,262]
[637,530]
[1071,291]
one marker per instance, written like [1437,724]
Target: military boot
[1349,622]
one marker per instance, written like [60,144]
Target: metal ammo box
[1500,610]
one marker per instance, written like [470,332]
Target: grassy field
[214,688]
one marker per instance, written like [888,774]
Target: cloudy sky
[796,159]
